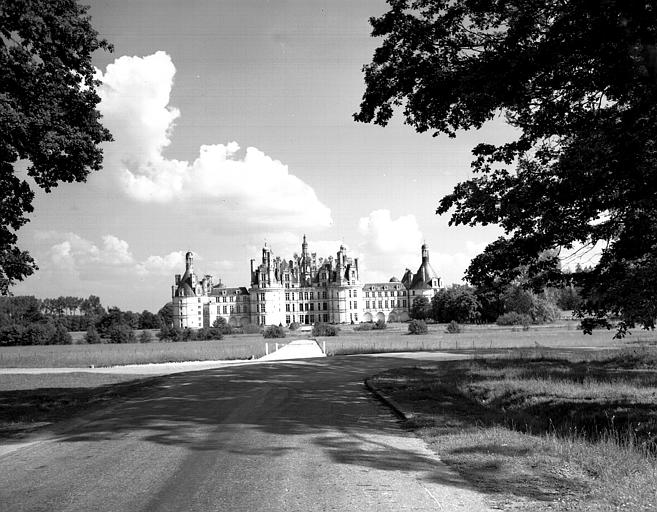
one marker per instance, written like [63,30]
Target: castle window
[355,305]
[367,304]
[287,307]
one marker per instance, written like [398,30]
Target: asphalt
[278,436]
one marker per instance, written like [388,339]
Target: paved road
[302,435]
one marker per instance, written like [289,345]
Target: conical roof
[425,275]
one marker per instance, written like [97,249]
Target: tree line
[27,320]
[509,305]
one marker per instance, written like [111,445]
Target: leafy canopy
[578,79]
[47,111]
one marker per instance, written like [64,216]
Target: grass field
[75,356]
[566,433]
[478,340]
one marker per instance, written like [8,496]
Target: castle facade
[305,289]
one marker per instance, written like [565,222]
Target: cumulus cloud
[252,187]
[389,245]
[85,259]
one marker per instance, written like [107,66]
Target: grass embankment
[542,433]
[76,356]
[478,340]
[31,401]
[473,338]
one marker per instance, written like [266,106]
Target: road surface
[295,436]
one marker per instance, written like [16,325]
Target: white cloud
[451,266]
[87,260]
[167,265]
[254,188]
[389,245]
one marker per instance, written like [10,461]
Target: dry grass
[75,356]
[478,340]
[541,433]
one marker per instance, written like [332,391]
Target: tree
[458,303]
[91,306]
[48,112]
[148,320]
[578,80]
[92,337]
[421,308]
[166,314]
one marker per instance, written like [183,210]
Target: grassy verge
[75,356]
[541,433]
[477,340]
[31,401]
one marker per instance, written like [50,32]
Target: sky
[232,125]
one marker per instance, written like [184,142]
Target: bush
[38,334]
[92,337]
[367,326]
[251,329]
[121,333]
[221,326]
[170,333]
[453,327]
[417,327]
[380,325]
[513,318]
[323,329]
[274,331]
[145,337]
[294,326]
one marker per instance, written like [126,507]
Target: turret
[425,253]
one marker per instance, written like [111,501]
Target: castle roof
[425,275]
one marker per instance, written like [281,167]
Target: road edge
[388,401]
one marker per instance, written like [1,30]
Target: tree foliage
[421,308]
[457,303]
[578,80]
[48,112]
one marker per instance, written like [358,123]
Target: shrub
[11,335]
[251,329]
[221,326]
[513,318]
[380,325]
[38,334]
[92,337]
[121,333]
[274,331]
[323,329]
[145,337]
[417,327]
[453,327]
[294,326]
[366,326]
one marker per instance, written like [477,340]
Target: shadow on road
[323,400]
